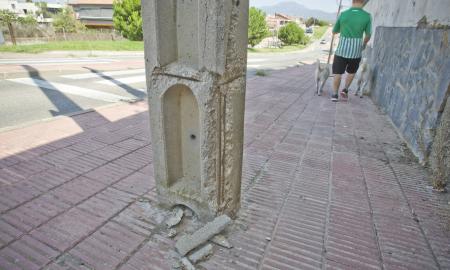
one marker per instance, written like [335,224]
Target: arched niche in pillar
[181,125]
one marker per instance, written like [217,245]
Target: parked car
[309,30]
[323,41]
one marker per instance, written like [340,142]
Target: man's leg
[336,83]
[352,68]
[338,69]
[349,80]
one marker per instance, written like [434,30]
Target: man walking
[352,24]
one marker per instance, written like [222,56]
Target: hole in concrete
[181,123]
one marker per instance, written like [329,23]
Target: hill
[298,10]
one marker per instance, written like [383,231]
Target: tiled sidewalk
[325,186]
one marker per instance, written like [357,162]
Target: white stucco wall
[407,13]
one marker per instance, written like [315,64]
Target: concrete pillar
[196,56]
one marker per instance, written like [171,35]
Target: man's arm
[368,32]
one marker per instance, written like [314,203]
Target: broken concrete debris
[187,264]
[172,233]
[190,242]
[201,254]
[176,217]
[220,240]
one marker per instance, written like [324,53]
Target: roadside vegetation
[291,37]
[98,45]
[66,33]
[257,26]
[127,19]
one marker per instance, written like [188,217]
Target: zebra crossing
[111,86]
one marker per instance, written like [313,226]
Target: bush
[29,20]
[127,19]
[65,21]
[314,21]
[257,26]
[291,34]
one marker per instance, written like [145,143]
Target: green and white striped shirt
[352,24]
[350,48]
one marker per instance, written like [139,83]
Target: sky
[325,5]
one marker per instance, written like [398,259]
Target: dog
[364,79]
[322,74]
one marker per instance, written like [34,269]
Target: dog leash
[332,38]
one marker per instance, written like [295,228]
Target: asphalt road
[69,85]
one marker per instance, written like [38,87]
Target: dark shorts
[341,65]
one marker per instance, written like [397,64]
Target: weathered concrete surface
[406,13]
[411,69]
[440,154]
[190,242]
[221,241]
[196,57]
[187,264]
[201,254]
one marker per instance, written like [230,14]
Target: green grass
[261,73]
[290,48]
[98,45]
[319,32]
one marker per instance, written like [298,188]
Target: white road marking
[255,60]
[100,74]
[128,80]
[73,90]
[54,61]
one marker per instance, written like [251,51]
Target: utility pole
[332,39]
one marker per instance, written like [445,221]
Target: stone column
[196,56]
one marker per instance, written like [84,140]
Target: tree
[42,10]
[65,21]
[314,21]
[8,18]
[127,18]
[322,23]
[291,34]
[29,20]
[310,21]
[257,28]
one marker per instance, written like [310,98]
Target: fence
[46,34]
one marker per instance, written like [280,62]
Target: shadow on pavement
[133,91]
[64,105]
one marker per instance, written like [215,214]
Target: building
[22,9]
[94,13]
[278,20]
[275,22]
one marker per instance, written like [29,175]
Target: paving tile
[324,186]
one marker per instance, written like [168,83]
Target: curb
[70,115]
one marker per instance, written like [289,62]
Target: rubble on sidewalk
[222,241]
[175,219]
[201,254]
[190,242]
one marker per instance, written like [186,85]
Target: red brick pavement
[325,186]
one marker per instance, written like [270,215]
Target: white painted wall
[18,7]
[406,13]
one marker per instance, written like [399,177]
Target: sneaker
[344,93]
[334,98]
